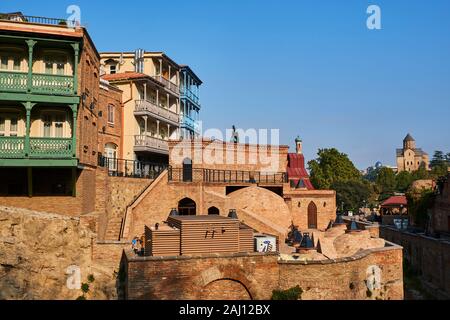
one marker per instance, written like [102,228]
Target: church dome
[408,138]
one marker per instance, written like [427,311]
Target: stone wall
[430,257]
[255,276]
[441,210]
[36,250]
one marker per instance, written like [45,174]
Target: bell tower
[299,145]
[409,143]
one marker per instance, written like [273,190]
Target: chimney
[299,145]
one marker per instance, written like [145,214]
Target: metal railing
[131,168]
[151,107]
[36,20]
[225,176]
[40,83]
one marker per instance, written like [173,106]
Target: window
[53,125]
[110,114]
[54,65]
[111,154]
[16,64]
[9,125]
[113,69]
[4,62]
[2,126]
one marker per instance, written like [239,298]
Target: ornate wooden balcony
[40,83]
[168,84]
[150,107]
[186,93]
[40,148]
[151,144]
[189,123]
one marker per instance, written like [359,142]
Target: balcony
[151,144]
[168,84]
[40,83]
[17,17]
[188,122]
[150,107]
[40,148]
[186,93]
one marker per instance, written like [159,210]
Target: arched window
[187,170]
[312,216]
[213,211]
[187,207]
[111,154]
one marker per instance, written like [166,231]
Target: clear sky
[310,68]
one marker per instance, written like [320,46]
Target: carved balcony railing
[12,147]
[190,123]
[186,93]
[153,109]
[45,148]
[149,143]
[40,83]
[168,84]
[51,148]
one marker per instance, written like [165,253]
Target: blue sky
[310,68]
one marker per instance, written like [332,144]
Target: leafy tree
[354,194]
[418,206]
[404,181]
[372,174]
[332,166]
[438,159]
[386,181]
[421,173]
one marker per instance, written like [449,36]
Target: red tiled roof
[124,76]
[296,170]
[395,201]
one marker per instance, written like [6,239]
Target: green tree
[330,167]
[420,174]
[404,181]
[353,194]
[438,159]
[386,181]
[418,206]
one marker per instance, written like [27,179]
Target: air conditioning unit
[265,243]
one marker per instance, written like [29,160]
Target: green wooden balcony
[40,148]
[40,83]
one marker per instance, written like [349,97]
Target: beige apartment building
[150,82]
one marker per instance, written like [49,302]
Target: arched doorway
[225,289]
[312,216]
[111,155]
[187,207]
[187,170]
[213,211]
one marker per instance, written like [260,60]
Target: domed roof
[298,139]
[408,138]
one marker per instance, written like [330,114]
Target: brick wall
[67,205]
[110,132]
[441,212]
[428,256]
[255,276]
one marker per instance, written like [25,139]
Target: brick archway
[225,289]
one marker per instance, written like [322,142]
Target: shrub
[290,294]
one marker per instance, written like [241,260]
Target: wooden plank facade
[193,235]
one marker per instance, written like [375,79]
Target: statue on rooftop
[235,135]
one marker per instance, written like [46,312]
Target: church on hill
[410,158]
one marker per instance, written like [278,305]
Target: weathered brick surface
[441,210]
[255,276]
[429,256]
